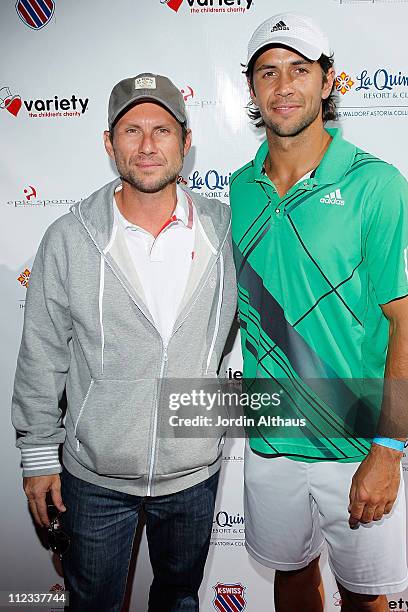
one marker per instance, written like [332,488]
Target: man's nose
[147,144]
[284,85]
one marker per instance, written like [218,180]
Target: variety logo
[35,13]
[211,6]
[49,107]
[173,4]
[57,588]
[23,279]
[337,599]
[10,102]
[229,597]
[344,83]
[334,197]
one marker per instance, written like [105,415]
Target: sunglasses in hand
[58,540]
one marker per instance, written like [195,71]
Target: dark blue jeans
[102,523]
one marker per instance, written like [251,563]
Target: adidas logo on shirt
[281,25]
[334,197]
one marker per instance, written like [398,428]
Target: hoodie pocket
[190,434]
[113,429]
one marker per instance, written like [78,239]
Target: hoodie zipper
[164,360]
[165,346]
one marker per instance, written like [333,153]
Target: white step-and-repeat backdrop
[60,59]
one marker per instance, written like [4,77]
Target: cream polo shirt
[163,263]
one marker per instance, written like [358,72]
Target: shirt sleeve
[43,363]
[385,241]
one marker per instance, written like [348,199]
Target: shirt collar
[335,163]
[182,213]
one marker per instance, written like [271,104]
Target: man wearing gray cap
[135,285]
[320,234]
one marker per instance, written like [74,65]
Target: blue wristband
[397,445]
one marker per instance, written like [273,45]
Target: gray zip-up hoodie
[88,331]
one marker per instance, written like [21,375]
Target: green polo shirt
[313,268]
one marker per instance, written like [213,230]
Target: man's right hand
[36,489]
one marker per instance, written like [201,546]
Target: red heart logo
[175,4]
[13,105]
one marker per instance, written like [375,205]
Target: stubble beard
[145,185]
[291,131]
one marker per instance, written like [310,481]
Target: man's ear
[108,144]
[251,91]
[187,142]
[328,83]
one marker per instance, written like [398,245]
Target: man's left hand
[374,486]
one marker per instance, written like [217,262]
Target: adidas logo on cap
[334,197]
[281,25]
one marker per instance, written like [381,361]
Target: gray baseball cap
[144,87]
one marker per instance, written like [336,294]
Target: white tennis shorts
[292,508]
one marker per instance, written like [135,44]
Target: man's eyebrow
[298,62]
[132,124]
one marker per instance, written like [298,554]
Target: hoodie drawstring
[101,290]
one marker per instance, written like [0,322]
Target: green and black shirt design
[313,268]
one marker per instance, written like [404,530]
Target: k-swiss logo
[35,13]
[281,25]
[334,197]
[229,597]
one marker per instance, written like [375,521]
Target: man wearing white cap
[320,230]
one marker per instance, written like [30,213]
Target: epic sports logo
[211,6]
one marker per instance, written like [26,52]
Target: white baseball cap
[293,30]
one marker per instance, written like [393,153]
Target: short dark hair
[329,106]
